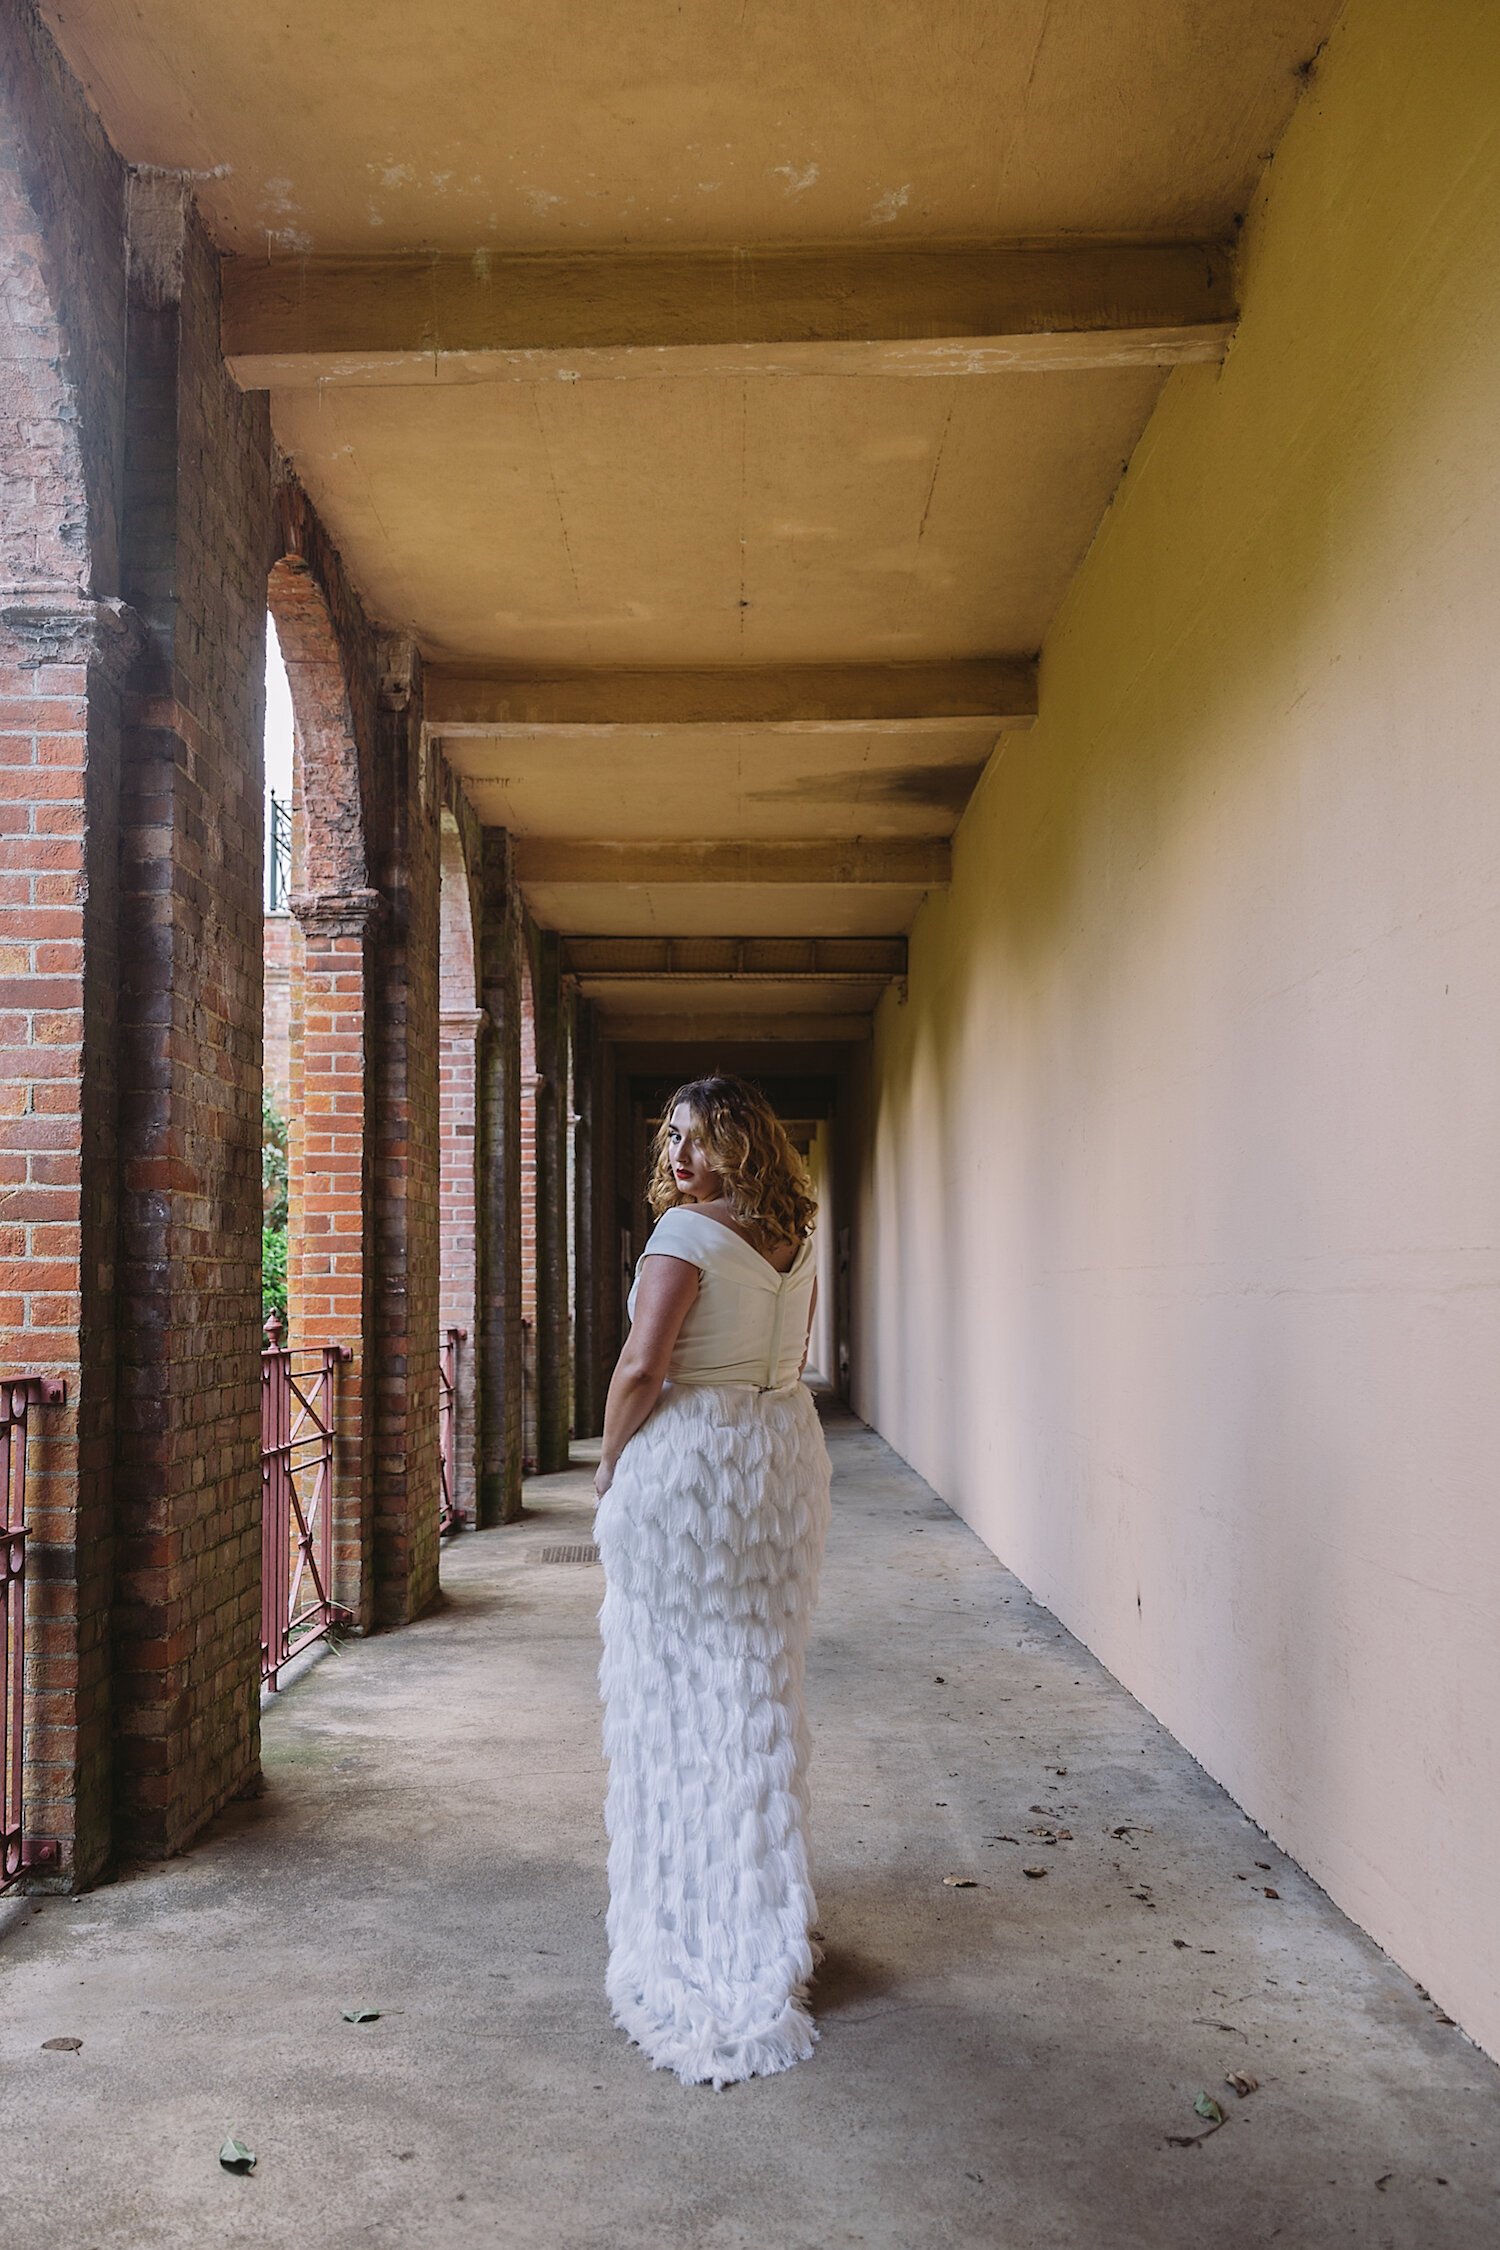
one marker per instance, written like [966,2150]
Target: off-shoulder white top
[748,1323]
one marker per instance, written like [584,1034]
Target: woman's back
[748,1323]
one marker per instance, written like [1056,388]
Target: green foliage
[273,1274]
[272,1164]
[273,1211]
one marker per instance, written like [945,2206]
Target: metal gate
[19,1853]
[297,1400]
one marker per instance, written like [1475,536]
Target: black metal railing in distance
[449,1517]
[278,854]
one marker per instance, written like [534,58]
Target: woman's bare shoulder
[780,1256]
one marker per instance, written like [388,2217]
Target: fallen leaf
[1005,1839]
[1181,1944]
[1269,1893]
[960,1883]
[61,2046]
[938,1680]
[1206,2106]
[1034,1872]
[1242,2082]
[361,2015]
[1440,2016]
[235,2157]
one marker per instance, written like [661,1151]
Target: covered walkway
[941,556]
[1002,2065]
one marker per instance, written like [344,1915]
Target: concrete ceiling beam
[904,861]
[815,698]
[723,1028]
[617,960]
[901,309]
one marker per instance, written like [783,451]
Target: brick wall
[137,508]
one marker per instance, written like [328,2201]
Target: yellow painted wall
[1179,1234]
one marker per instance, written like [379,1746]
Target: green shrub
[272,1164]
[273,1274]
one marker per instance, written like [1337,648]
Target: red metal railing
[449,1518]
[297,1397]
[19,1853]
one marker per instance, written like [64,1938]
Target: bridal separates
[711,1537]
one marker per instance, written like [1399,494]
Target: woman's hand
[604,1477]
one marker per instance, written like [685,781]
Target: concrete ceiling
[542,124]
[718,518]
[676,340]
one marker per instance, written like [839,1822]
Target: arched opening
[530,1083]
[277,930]
[325,935]
[458,1263]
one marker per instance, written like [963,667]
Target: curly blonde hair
[764,1179]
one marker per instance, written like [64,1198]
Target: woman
[713,1491]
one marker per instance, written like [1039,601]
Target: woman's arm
[666,1289]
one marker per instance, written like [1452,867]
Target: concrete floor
[1005,2065]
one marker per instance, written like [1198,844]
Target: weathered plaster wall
[1177,1243]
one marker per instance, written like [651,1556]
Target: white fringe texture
[711,1536]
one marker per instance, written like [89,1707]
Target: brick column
[330,1277]
[498,1357]
[196,544]
[61,660]
[590,1177]
[404,1373]
[553,1324]
[527,1190]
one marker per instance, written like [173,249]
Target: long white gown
[711,1536]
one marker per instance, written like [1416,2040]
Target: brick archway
[463,1020]
[329,858]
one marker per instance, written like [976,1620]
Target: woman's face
[695,1177]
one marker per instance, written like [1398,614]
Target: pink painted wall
[1178,1240]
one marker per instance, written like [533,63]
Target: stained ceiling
[617,345]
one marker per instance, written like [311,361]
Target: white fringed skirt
[711,1537]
